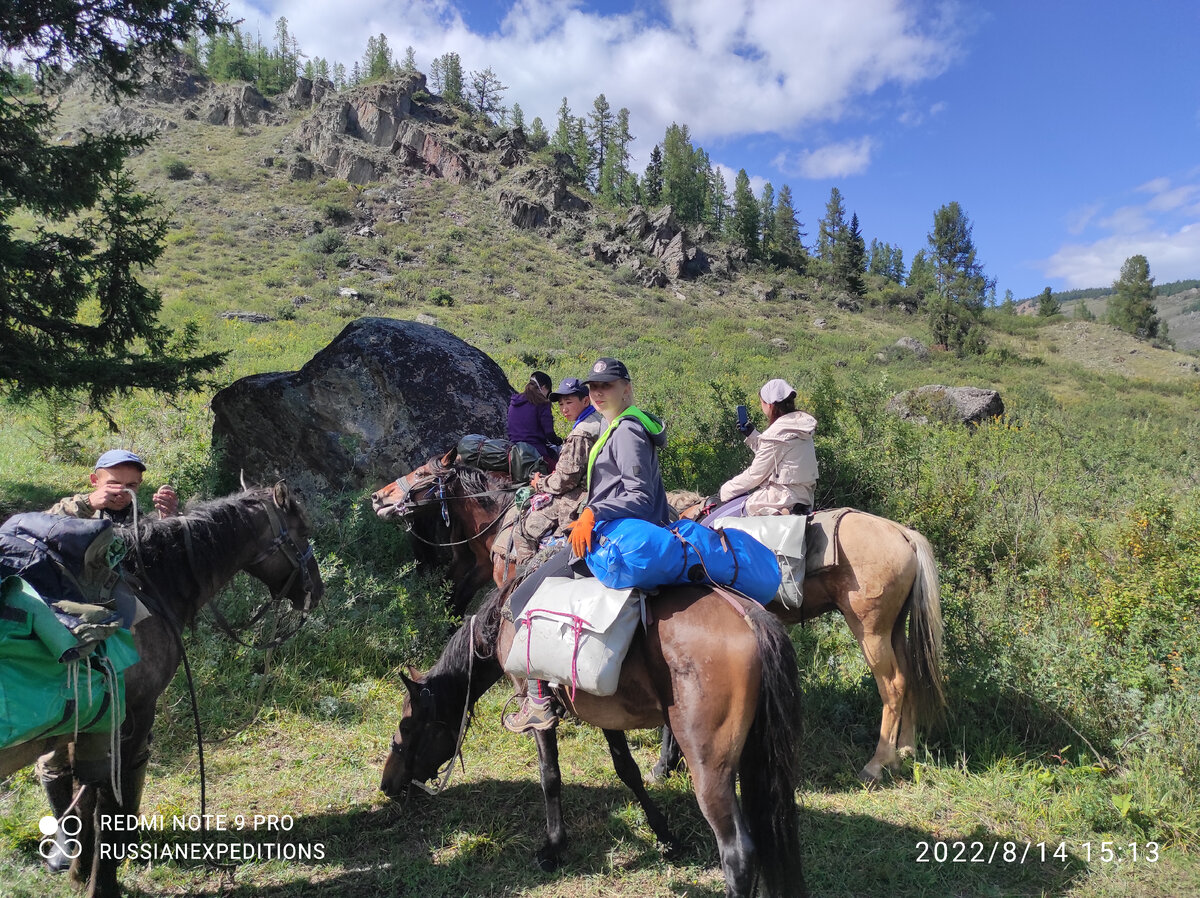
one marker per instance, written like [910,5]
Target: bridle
[438,481]
[398,749]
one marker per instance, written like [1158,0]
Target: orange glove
[579,534]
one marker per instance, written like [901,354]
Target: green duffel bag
[42,696]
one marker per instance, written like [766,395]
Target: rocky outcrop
[379,400]
[663,238]
[359,135]
[950,405]
[238,106]
[914,346]
[306,92]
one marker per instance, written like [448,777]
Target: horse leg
[631,776]
[669,757]
[713,780]
[906,746]
[58,779]
[549,854]
[889,680]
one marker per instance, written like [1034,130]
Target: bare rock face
[953,405]
[237,106]
[382,398]
[306,92]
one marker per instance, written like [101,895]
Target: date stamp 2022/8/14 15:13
[964,852]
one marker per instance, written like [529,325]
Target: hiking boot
[533,714]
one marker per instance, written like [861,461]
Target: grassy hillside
[1067,534]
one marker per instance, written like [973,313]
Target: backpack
[520,461]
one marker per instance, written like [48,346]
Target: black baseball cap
[606,370]
[570,386]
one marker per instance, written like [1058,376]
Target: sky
[1067,130]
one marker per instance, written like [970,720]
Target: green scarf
[632,412]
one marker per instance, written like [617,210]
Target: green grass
[1073,658]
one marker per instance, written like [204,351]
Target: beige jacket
[784,470]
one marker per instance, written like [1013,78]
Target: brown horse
[472,502]
[721,672]
[885,578]
[183,562]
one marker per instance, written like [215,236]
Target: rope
[462,730]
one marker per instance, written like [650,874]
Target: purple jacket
[533,424]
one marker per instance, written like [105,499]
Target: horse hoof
[869,779]
[546,860]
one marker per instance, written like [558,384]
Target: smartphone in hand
[743,418]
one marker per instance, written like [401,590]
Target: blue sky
[1069,131]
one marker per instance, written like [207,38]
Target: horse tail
[770,764]
[925,632]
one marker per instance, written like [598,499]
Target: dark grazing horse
[721,671]
[183,562]
[885,585]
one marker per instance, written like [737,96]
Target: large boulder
[379,400]
[953,405]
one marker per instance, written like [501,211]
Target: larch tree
[743,221]
[961,286]
[1131,307]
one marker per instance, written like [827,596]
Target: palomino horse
[182,563]
[885,577]
[472,503]
[720,671]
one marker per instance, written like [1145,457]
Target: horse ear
[412,680]
[448,458]
[281,494]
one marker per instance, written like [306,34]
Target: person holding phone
[782,478]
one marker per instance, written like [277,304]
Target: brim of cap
[603,378]
[554,397]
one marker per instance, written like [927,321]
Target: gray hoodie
[625,479]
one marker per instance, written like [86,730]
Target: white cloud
[1165,229]
[726,68]
[835,160]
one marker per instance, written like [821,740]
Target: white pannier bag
[575,632]
[783,534]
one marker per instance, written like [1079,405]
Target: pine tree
[1047,304]
[599,129]
[897,270]
[766,220]
[561,142]
[850,257]
[538,137]
[831,227]
[743,222]
[961,285]
[518,117]
[450,78]
[684,185]
[410,60]
[652,178]
[789,248]
[581,150]
[377,60]
[486,91]
[1131,307]
[719,199]
[74,235]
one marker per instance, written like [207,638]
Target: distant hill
[1178,305]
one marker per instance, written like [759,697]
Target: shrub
[176,169]
[334,213]
[440,296]
[326,242]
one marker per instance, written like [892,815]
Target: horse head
[423,741]
[285,561]
[400,497]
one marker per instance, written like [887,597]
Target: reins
[442,498]
[462,729]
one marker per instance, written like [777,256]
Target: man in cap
[117,471]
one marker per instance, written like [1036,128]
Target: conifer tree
[599,129]
[743,222]
[719,199]
[789,248]
[409,64]
[1047,304]
[961,285]
[561,142]
[851,258]
[486,91]
[581,150]
[652,178]
[538,137]
[74,235]
[830,228]
[766,220]
[518,117]
[1131,307]
[684,184]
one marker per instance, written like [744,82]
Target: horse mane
[217,526]
[478,638]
